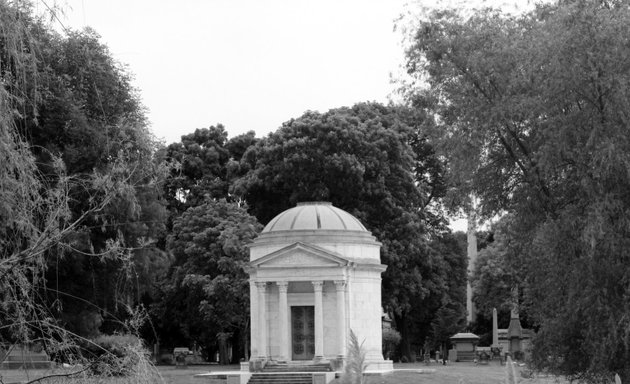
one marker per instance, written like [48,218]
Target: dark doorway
[303,333]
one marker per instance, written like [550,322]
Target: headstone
[20,357]
[180,354]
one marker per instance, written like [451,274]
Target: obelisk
[495,329]
[472,258]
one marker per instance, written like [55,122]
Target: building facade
[315,275]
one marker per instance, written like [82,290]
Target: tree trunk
[405,340]
[223,348]
[245,340]
[237,346]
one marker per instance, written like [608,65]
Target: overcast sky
[249,65]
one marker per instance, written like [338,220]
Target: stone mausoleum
[315,274]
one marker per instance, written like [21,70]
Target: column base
[379,365]
[257,364]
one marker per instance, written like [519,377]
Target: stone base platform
[242,377]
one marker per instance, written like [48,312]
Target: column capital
[340,285]
[317,285]
[262,285]
[283,286]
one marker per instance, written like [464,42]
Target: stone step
[282,375]
[275,377]
[297,367]
[27,358]
[281,381]
[280,378]
[26,365]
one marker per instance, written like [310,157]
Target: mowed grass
[417,373]
[455,373]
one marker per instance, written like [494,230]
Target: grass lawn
[174,375]
[465,373]
[468,373]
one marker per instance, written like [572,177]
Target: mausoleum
[315,274]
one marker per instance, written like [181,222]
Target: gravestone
[180,354]
[26,357]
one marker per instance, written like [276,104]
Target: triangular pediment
[300,255]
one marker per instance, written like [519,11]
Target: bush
[391,339]
[114,355]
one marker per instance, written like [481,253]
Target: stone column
[262,319]
[319,320]
[341,316]
[284,319]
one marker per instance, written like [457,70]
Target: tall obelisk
[472,259]
[495,329]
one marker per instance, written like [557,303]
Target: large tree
[206,298]
[533,116]
[95,186]
[374,162]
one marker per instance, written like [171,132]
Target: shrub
[391,338]
[114,355]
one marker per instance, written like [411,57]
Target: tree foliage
[207,278]
[72,228]
[207,164]
[533,116]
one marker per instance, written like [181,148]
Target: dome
[314,216]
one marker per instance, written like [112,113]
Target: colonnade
[283,288]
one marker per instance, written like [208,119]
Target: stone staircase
[288,373]
[294,366]
[281,378]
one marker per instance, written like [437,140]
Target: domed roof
[314,216]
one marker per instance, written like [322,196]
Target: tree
[50,207]
[363,159]
[209,242]
[533,119]
[494,279]
[450,317]
[202,159]
[207,163]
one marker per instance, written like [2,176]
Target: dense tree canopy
[207,293]
[533,116]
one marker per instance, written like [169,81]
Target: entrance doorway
[302,333]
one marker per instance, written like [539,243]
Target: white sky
[248,64]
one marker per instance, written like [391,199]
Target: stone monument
[315,275]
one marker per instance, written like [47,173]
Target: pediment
[300,255]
